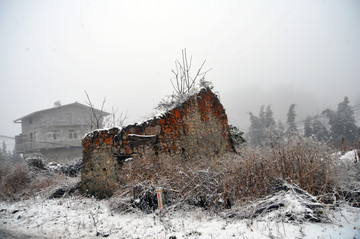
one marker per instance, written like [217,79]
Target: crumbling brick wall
[196,128]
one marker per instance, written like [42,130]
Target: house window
[32,136]
[72,134]
[55,135]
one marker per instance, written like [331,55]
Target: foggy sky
[261,53]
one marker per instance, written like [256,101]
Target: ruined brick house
[56,132]
[196,128]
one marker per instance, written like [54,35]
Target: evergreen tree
[8,156]
[342,123]
[307,128]
[262,129]
[350,128]
[269,118]
[281,128]
[291,120]
[262,116]
[316,130]
[236,135]
[319,131]
[332,117]
[4,154]
[256,132]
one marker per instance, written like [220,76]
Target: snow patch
[350,156]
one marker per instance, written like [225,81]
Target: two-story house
[56,132]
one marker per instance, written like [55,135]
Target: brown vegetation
[21,181]
[208,183]
[232,179]
[14,180]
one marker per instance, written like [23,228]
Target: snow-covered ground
[282,215]
[80,217]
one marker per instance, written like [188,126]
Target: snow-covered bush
[236,135]
[288,203]
[346,172]
[36,161]
[71,168]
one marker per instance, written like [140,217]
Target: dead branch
[94,118]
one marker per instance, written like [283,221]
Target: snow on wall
[196,128]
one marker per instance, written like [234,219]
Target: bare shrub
[303,162]
[184,82]
[231,179]
[21,181]
[40,183]
[4,168]
[15,181]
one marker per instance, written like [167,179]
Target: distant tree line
[264,130]
[339,129]
[342,130]
[8,156]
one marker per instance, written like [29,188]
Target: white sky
[262,52]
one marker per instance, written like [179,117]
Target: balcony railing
[24,144]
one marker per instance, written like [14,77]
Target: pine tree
[291,120]
[349,126]
[281,128]
[256,132]
[263,128]
[319,131]
[4,154]
[262,116]
[236,135]
[307,128]
[8,156]
[269,119]
[342,124]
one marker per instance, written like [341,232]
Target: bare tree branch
[183,82]
[95,119]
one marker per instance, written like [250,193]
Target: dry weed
[20,181]
[221,182]
[15,181]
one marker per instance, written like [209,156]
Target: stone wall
[197,128]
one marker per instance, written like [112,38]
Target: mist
[259,52]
